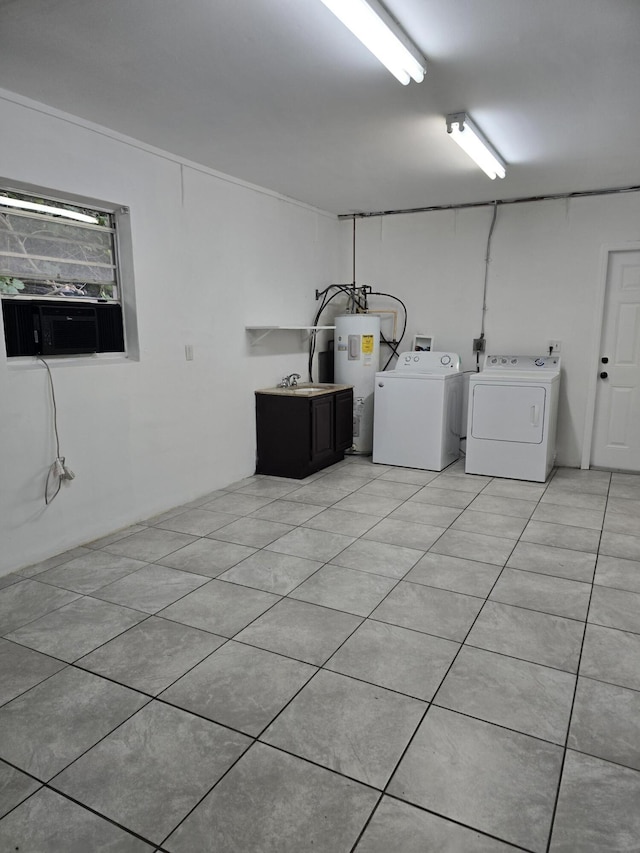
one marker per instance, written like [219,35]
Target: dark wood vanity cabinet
[298,435]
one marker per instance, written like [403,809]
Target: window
[59,279]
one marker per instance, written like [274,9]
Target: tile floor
[369,660]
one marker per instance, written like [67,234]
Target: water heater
[357,358]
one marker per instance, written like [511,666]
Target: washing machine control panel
[529,363]
[428,362]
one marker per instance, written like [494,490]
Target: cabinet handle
[604,375]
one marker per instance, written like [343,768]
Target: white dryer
[417,411]
[512,417]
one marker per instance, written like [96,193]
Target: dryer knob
[445,359]
[604,375]
[380,384]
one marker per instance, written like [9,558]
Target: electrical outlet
[553,347]
[478,344]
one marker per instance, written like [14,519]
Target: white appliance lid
[427,362]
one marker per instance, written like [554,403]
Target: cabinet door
[322,427]
[344,420]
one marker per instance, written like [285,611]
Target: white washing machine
[512,417]
[416,411]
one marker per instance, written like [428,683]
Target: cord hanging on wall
[59,466]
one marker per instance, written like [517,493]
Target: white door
[508,412]
[616,433]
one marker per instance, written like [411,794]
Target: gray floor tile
[434,611]
[528,635]
[626,490]
[49,823]
[587,482]
[569,515]
[421,513]
[455,574]
[619,522]
[267,488]
[44,730]
[347,479]
[91,571]
[474,546]
[300,630]
[50,562]
[149,773]
[312,544]
[271,572]
[294,806]
[618,573]
[317,494]
[443,497]
[240,686]
[398,826]
[198,522]
[620,545]
[150,544]
[341,521]
[549,594]
[597,807]
[9,580]
[252,531]
[207,557]
[407,534]
[22,668]
[14,788]
[606,722]
[498,781]
[413,476]
[389,489]
[460,482]
[394,561]
[368,504]
[562,536]
[344,589]
[27,601]
[116,536]
[151,588]
[562,497]
[237,504]
[219,607]
[489,523]
[548,560]
[527,697]
[514,489]
[152,655]
[615,608]
[515,507]
[611,655]
[287,512]
[399,659]
[77,628]
[357,729]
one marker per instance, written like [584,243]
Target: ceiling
[280,94]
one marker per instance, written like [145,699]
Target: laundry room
[229,214]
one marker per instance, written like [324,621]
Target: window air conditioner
[66,329]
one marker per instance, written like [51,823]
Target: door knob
[604,360]
[603,375]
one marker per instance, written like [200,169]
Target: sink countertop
[305,389]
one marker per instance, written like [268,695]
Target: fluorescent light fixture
[369,21]
[470,139]
[46,208]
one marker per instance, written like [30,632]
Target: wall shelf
[257,333]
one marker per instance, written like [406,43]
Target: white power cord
[59,466]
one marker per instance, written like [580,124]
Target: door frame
[594,360]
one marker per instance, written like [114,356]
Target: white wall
[544,279]
[211,255]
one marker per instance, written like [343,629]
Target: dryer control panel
[428,362]
[528,363]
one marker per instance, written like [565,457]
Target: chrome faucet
[289,381]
